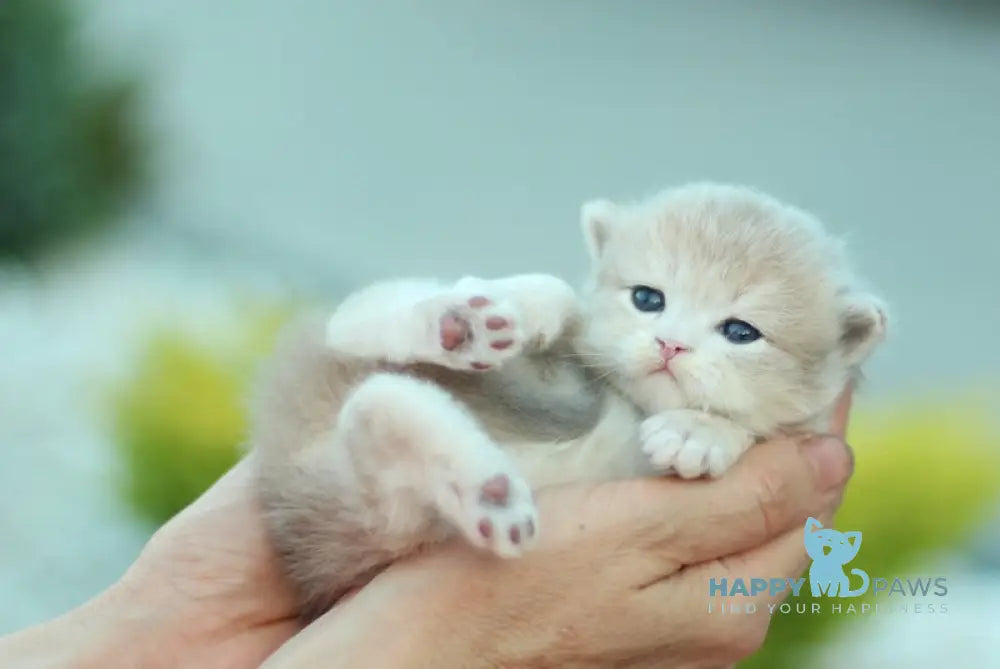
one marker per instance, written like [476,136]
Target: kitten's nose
[670,348]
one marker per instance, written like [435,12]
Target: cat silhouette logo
[830,551]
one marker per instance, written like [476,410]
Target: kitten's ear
[863,324]
[856,536]
[597,218]
[812,525]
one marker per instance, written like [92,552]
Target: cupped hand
[620,578]
[211,577]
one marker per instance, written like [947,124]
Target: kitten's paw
[477,331]
[506,520]
[545,303]
[496,513]
[692,444]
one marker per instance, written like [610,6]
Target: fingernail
[832,461]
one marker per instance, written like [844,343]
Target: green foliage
[71,152]
[180,418]
[925,475]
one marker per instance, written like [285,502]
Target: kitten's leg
[475,324]
[420,457]
[692,443]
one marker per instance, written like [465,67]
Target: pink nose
[670,348]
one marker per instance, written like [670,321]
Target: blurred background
[175,177]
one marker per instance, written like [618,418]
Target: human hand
[620,577]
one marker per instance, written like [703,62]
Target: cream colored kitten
[714,316]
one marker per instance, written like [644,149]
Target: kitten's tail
[864,583]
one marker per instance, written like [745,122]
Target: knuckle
[772,499]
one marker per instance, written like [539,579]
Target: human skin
[620,578]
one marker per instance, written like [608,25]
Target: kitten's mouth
[827,550]
[664,368]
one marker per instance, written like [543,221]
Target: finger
[775,563]
[775,487]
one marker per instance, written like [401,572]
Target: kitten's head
[830,545]
[722,298]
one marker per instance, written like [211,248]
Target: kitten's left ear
[863,326]
[597,218]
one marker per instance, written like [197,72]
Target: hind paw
[495,510]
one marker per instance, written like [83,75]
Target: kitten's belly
[559,424]
[608,452]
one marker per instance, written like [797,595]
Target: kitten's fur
[378,431]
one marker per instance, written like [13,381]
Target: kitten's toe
[661,442]
[706,454]
[509,531]
[720,459]
[497,335]
[692,459]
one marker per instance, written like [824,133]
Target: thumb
[773,489]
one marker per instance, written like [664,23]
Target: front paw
[692,443]
[477,331]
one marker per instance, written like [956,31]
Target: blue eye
[648,299]
[739,332]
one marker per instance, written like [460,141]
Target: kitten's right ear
[597,218]
[812,525]
[863,323]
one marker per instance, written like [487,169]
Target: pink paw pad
[476,332]
[455,331]
[496,490]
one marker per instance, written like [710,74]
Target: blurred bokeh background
[175,177]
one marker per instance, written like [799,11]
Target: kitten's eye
[739,332]
[647,299]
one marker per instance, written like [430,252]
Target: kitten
[714,316]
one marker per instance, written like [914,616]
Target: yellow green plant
[927,473]
[179,418]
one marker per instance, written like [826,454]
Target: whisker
[601,377]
